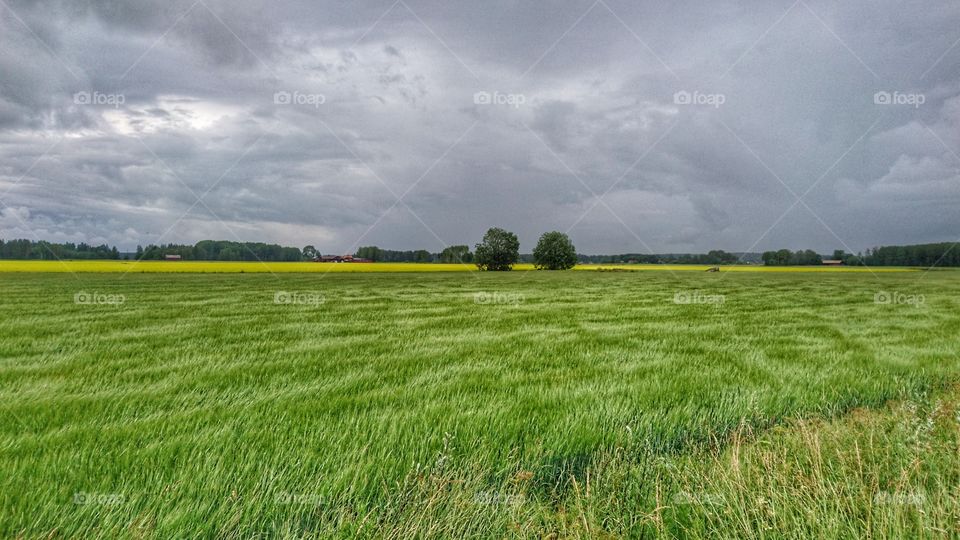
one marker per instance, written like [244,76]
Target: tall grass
[424,405]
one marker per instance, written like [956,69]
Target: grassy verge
[887,473]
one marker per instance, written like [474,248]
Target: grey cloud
[398,113]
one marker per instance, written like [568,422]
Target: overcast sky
[677,126]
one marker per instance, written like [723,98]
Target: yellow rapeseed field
[217,267]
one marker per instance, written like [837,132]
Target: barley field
[445,404]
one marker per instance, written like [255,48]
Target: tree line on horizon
[923,255]
[221,250]
[785,257]
[926,255]
[713,257]
[23,249]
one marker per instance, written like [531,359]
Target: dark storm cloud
[672,127]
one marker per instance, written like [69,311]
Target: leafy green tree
[456,254]
[422,256]
[784,257]
[310,253]
[498,251]
[373,253]
[555,251]
[292,254]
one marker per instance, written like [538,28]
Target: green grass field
[528,404]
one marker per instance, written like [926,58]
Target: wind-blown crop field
[472,404]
